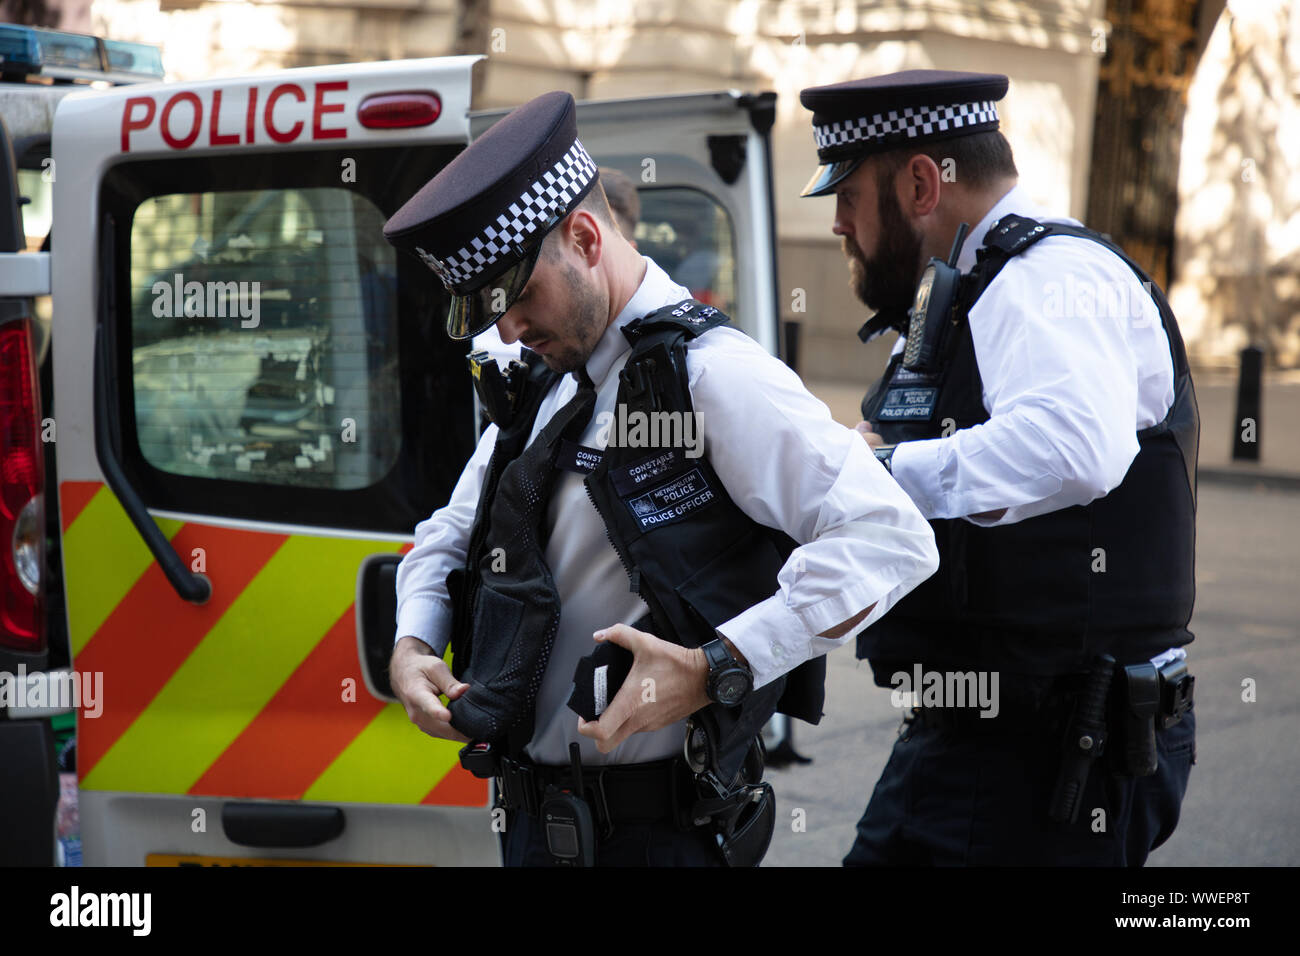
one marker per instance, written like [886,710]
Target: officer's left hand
[666,684]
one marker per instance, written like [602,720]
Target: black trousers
[971,797]
[631,844]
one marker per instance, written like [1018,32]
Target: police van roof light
[74,56]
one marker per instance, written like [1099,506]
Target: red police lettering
[129,124]
[284,89]
[215,137]
[164,125]
[316,131]
[251,118]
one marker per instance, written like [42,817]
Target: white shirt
[1073,361]
[784,461]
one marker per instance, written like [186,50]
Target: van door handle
[280,825]
[195,588]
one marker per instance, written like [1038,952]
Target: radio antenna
[956,245]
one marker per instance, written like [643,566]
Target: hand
[869,434]
[666,684]
[418,676]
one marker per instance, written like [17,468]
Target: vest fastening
[693,556]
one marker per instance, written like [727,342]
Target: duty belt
[1042,705]
[624,793]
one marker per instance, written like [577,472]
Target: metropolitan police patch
[671,501]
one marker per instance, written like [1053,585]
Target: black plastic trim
[280,825]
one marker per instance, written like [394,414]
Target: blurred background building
[1166,123]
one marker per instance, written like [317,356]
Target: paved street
[1241,807]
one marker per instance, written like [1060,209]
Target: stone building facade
[1234,272]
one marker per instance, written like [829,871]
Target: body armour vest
[1044,595]
[693,556]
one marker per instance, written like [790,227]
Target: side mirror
[377,620]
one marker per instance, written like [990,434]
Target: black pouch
[597,678]
[751,832]
[743,814]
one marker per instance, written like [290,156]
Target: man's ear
[583,231]
[919,186]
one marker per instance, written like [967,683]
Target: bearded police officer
[1038,409]
[596,588]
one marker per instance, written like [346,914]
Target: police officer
[1038,409]
[568,526]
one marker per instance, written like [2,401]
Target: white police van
[240,401]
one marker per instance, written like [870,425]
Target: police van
[225,403]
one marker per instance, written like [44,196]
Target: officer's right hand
[869,434]
[418,676]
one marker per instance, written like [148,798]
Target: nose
[510,327]
[843,225]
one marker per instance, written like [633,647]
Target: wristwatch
[729,679]
[885,455]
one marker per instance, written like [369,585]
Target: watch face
[732,687]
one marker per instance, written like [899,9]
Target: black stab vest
[1032,597]
[693,556]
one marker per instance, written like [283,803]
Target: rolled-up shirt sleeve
[1060,387]
[788,465]
[441,541]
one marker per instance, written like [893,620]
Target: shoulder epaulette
[691,317]
[1012,233]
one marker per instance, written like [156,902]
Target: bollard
[791,351]
[1245,427]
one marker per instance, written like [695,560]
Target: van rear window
[273,358]
[264,337]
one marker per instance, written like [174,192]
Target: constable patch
[672,500]
[577,458]
[908,404]
[905,376]
[634,477]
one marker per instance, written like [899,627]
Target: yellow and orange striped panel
[258,693]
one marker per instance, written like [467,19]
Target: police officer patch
[910,397]
[672,500]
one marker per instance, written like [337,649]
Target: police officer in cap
[623,610]
[1038,409]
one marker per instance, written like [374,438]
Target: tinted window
[689,234]
[264,335]
[272,357]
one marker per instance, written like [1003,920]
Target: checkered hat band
[543,199]
[907,123]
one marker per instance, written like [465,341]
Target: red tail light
[22,481]
[399,110]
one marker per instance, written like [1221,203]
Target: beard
[584,328]
[887,281]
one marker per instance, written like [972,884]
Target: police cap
[853,120]
[479,223]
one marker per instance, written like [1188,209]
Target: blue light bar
[139,59]
[26,51]
[20,51]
